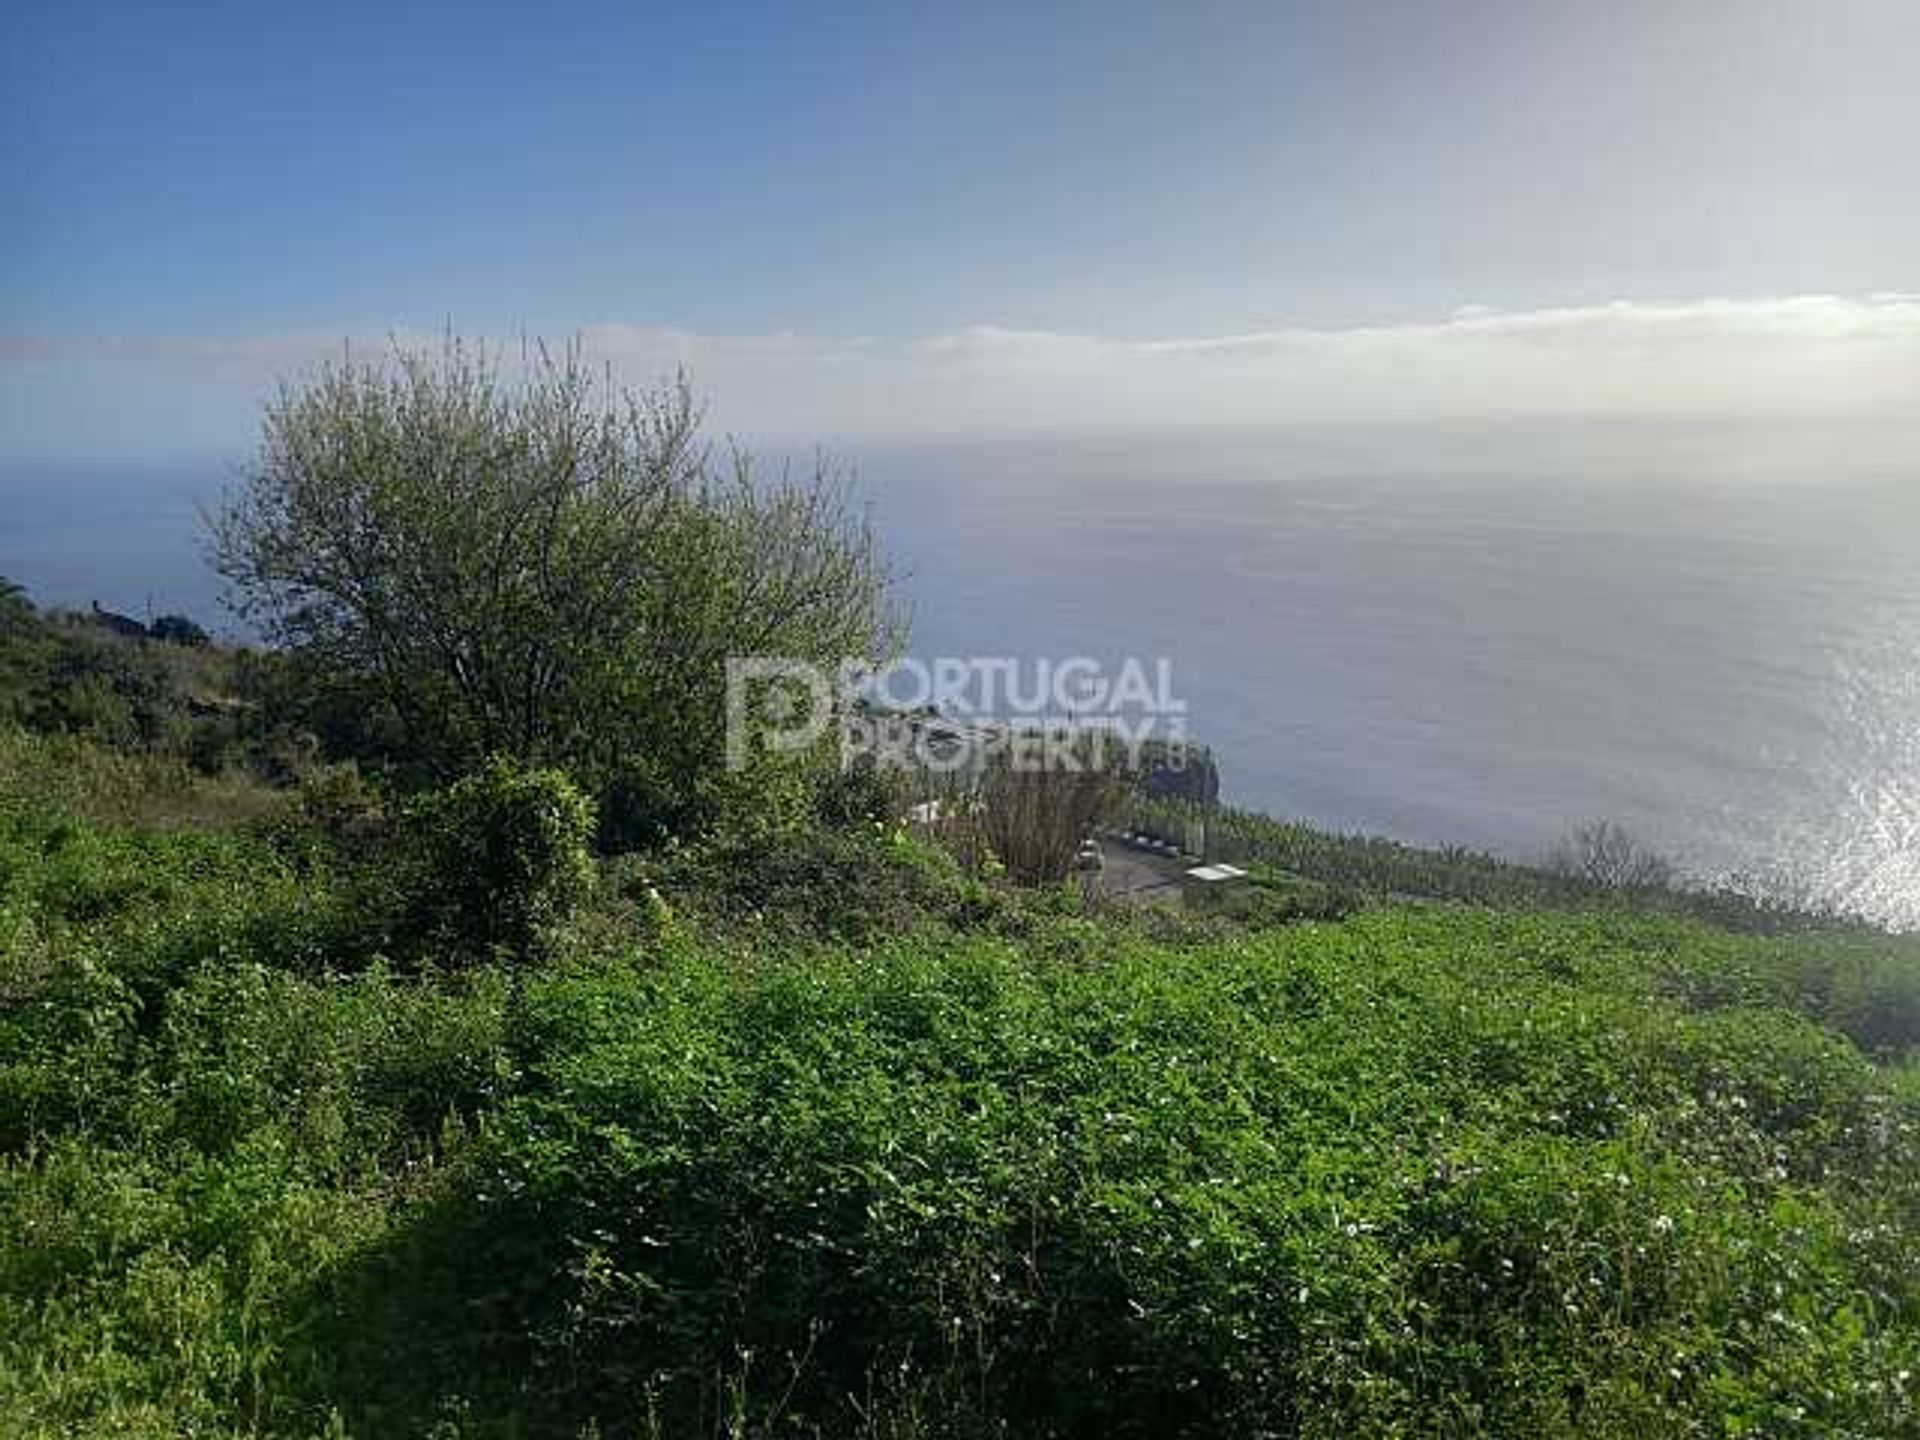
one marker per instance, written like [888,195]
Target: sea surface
[1726,662]
[1727,665]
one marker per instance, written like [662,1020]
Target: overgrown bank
[990,1166]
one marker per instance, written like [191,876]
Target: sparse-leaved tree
[543,565]
[1609,856]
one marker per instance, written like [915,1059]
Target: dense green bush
[871,878]
[500,858]
[1407,1175]
[531,562]
[169,696]
[65,675]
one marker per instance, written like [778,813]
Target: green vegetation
[547,569]
[66,674]
[819,1135]
[147,719]
[398,1036]
[1597,865]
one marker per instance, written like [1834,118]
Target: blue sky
[200,196]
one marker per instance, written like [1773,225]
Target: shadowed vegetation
[816,1134]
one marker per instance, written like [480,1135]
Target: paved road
[1131,874]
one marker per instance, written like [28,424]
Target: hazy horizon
[871,223]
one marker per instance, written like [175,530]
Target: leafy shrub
[501,858]
[848,884]
[862,794]
[359,1072]
[659,558]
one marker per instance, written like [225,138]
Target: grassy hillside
[815,1135]
[1380,868]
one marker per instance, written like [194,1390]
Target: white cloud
[1836,361]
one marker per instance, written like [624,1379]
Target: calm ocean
[1729,667]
